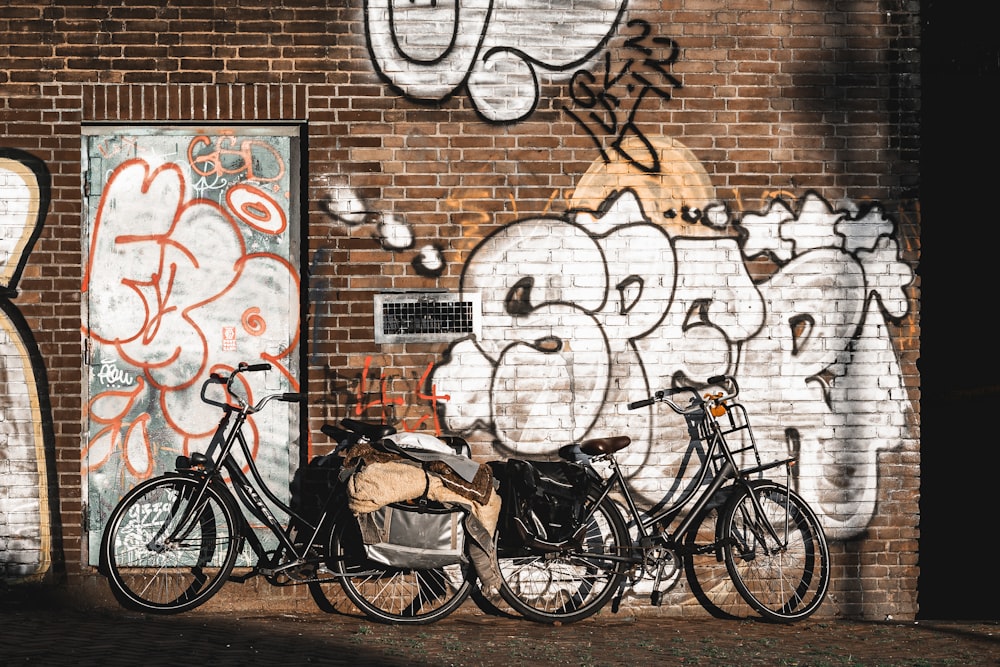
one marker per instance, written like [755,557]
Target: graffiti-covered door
[192,266]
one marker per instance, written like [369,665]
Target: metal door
[191,251]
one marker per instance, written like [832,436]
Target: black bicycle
[772,544]
[173,541]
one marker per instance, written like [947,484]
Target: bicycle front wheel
[168,547]
[775,551]
[394,595]
[570,585]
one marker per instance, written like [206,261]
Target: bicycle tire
[707,576]
[785,582]
[151,574]
[394,595]
[572,585]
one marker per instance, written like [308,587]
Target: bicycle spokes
[776,554]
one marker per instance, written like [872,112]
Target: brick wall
[768,151]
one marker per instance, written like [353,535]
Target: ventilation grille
[426,317]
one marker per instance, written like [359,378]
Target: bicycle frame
[719,460]
[780,567]
[173,541]
[208,468]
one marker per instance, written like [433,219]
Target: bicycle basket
[543,504]
[414,537]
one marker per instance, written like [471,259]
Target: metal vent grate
[426,317]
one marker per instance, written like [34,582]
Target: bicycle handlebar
[729,388]
[243,367]
[250,368]
[662,396]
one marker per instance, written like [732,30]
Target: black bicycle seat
[370,431]
[605,445]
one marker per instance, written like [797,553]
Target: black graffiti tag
[602,100]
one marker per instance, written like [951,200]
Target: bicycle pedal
[656,598]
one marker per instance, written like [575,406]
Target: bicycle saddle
[370,431]
[605,445]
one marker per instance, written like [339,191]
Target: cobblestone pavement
[42,630]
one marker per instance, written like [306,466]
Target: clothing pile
[417,469]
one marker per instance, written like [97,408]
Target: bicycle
[173,541]
[772,543]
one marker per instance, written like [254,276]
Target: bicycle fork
[188,509]
[760,530]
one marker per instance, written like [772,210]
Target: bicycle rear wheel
[156,563]
[394,595]
[783,575]
[571,585]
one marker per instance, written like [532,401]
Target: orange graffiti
[111,408]
[256,209]
[433,398]
[381,402]
[409,424]
[158,284]
[232,157]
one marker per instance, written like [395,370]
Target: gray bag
[410,537]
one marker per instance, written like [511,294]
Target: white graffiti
[390,229]
[25,528]
[111,375]
[585,312]
[497,49]
[174,293]
[395,234]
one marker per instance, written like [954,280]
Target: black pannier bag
[543,503]
[313,485]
